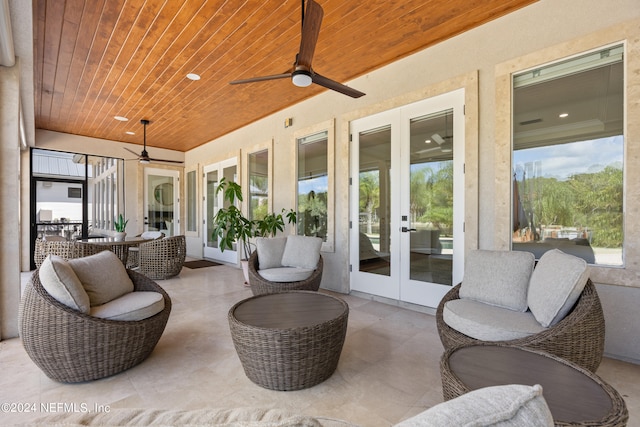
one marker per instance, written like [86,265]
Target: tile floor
[388,370]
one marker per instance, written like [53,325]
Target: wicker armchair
[132,259]
[65,249]
[259,285]
[72,347]
[162,258]
[578,338]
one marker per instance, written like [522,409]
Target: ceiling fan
[144,156]
[302,75]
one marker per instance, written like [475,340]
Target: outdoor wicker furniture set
[527,325]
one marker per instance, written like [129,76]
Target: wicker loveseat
[578,337]
[70,346]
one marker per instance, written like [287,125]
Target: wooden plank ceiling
[96,59]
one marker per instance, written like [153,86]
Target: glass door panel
[211,185]
[213,201]
[374,233]
[161,200]
[431,198]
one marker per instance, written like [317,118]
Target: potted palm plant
[229,225]
[120,225]
[231,228]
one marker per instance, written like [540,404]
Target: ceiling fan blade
[310,32]
[164,160]
[338,87]
[132,152]
[262,79]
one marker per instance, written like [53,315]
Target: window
[568,157]
[258,184]
[74,195]
[192,208]
[313,185]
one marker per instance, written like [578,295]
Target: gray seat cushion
[302,252]
[499,406]
[131,306]
[62,283]
[286,274]
[103,276]
[488,322]
[556,285]
[270,250]
[498,278]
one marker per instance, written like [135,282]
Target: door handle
[407,230]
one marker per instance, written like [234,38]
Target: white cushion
[270,250]
[506,405]
[62,283]
[53,238]
[498,278]
[487,322]
[103,277]
[151,235]
[556,284]
[131,306]
[302,251]
[286,274]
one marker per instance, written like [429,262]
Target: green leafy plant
[230,226]
[120,224]
[272,223]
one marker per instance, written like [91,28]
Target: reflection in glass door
[162,202]
[407,200]
[212,202]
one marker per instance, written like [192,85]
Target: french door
[407,200]
[162,201]
[213,173]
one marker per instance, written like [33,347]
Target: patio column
[10,197]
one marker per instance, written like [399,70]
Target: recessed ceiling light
[120,118]
[193,76]
[427,141]
[563,115]
[130,133]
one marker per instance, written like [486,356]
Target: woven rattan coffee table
[575,396]
[290,340]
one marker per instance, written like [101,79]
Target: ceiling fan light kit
[301,78]
[302,75]
[143,157]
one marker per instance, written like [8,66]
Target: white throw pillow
[498,278]
[270,250]
[556,284]
[505,405]
[62,283]
[103,276]
[302,252]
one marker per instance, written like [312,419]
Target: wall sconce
[288,122]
